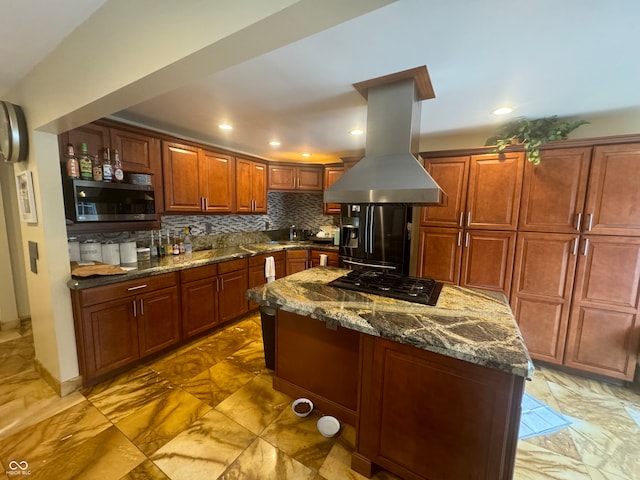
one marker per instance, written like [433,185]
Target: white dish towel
[270,269]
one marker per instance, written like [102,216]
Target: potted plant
[531,134]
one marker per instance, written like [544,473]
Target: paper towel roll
[323,260]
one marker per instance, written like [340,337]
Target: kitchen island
[433,391]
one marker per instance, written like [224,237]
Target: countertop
[173,263]
[466,324]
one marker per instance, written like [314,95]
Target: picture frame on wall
[26,198]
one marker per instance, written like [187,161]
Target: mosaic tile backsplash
[284,209]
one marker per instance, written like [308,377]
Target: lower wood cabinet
[333,259]
[257,272]
[233,283]
[121,323]
[199,299]
[297,260]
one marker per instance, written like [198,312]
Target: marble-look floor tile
[299,438]
[16,356]
[613,451]
[147,470]
[264,461]
[121,398]
[218,382]
[337,465]
[535,463]
[150,427]
[250,357]
[255,405]
[181,368]
[205,449]
[51,437]
[107,455]
[597,474]
[8,335]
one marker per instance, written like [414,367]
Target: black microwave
[90,201]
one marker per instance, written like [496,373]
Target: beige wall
[125,53]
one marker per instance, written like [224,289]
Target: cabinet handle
[468,218]
[459,238]
[141,307]
[137,287]
[466,240]
[201,203]
[461,217]
[575,246]
[206,203]
[253,205]
[579,222]
[135,310]
[590,222]
[217,284]
[222,284]
[586,247]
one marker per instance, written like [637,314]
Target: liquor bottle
[118,174]
[188,247]
[176,244]
[73,168]
[152,247]
[97,169]
[107,171]
[168,246]
[86,165]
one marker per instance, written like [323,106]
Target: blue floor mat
[539,419]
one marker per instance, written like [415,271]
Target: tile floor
[207,411]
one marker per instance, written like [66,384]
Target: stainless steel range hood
[390,171]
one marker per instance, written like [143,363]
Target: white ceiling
[544,57]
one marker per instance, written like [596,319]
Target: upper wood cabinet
[493,197]
[139,151]
[452,174]
[613,196]
[331,174]
[196,180]
[295,177]
[251,186]
[553,192]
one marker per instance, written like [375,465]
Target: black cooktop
[418,290]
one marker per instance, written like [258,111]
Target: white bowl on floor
[328,426]
[298,406]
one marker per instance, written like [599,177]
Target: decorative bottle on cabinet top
[118,174]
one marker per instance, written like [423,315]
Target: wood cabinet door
[309,178]
[333,259]
[217,182]
[158,320]
[232,302]
[542,291]
[297,261]
[603,329]
[452,174]
[553,192]
[282,177]
[180,164]
[110,336]
[331,174]
[199,306]
[495,184]
[138,153]
[259,187]
[613,197]
[419,411]
[95,136]
[440,254]
[487,260]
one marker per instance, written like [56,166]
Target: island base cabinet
[428,416]
[318,363]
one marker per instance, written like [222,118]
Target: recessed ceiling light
[356,132]
[225,126]
[502,110]
[305,154]
[274,143]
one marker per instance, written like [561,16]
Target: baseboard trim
[61,388]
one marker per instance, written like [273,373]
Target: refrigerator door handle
[371,218]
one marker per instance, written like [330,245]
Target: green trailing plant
[531,134]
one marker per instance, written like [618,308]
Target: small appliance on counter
[326,234]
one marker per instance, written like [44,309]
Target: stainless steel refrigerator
[375,237]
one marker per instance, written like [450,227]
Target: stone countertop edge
[466,324]
[174,263]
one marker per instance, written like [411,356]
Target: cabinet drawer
[232,265]
[199,273]
[297,253]
[92,296]
[258,260]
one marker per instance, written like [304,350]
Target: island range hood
[390,171]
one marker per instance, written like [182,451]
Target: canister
[74,249]
[128,253]
[90,251]
[143,254]
[111,253]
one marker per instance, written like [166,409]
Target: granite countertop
[466,324]
[196,259]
